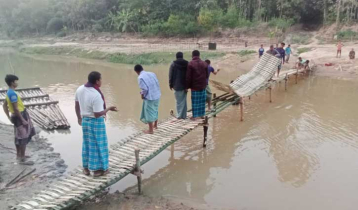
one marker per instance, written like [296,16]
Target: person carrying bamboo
[24,129]
[150,94]
[91,110]
[177,76]
[196,80]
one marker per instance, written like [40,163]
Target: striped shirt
[149,85]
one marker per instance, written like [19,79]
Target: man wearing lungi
[150,94]
[24,129]
[177,77]
[196,80]
[209,94]
[91,111]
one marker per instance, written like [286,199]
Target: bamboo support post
[286,80]
[214,103]
[206,127]
[241,103]
[297,76]
[138,171]
[270,93]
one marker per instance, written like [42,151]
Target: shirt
[282,52]
[288,51]
[261,51]
[149,85]
[90,101]
[13,97]
[210,70]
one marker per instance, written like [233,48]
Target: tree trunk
[259,12]
[324,11]
[339,2]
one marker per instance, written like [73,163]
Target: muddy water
[299,152]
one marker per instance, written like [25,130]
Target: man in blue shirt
[208,89]
[288,51]
[282,55]
[150,93]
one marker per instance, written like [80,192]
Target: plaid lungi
[95,144]
[198,100]
[208,93]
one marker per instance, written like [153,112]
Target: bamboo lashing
[44,111]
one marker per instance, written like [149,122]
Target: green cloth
[149,111]
[181,103]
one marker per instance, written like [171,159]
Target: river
[298,152]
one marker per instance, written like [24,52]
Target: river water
[299,152]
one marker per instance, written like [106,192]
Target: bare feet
[148,132]
[86,172]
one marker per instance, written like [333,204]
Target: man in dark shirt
[282,52]
[196,80]
[177,80]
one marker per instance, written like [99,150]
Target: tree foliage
[166,17]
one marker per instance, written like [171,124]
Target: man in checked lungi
[91,110]
[196,80]
[24,129]
[150,94]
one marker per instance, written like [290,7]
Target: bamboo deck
[44,111]
[75,188]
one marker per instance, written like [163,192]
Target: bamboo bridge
[127,156]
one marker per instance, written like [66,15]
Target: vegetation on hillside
[165,17]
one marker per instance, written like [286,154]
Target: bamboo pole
[206,128]
[241,103]
[297,76]
[286,80]
[138,171]
[270,88]
[214,103]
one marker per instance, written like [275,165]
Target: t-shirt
[210,70]
[261,51]
[288,51]
[90,101]
[12,97]
[282,52]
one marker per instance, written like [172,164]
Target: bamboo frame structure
[44,111]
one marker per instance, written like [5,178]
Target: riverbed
[298,152]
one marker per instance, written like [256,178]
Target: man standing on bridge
[177,76]
[196,80]
[24,129]
[91,110]
[150,93]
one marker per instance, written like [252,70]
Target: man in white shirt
[91,110]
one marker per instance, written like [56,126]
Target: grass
[347,35]
[246,52]
[303,50]
[302,39]
[144,58]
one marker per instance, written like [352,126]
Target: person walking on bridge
[196,80]
[209,93]
[177,76]
[91,110]
[24,129]
[150,93]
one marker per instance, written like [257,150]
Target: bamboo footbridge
[127,156]
[44,111]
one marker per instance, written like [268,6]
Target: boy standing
[24,129]
[288,53]
[261,51]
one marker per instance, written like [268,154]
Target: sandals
[100,173]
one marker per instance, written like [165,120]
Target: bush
[231,18]
[246,52]
[348,34]
[154,29]
[61,34]
[209,19]
[303,50]
[301,39]
[281,23]
[54,25]
[97,27]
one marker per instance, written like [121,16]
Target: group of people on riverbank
[91,108]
